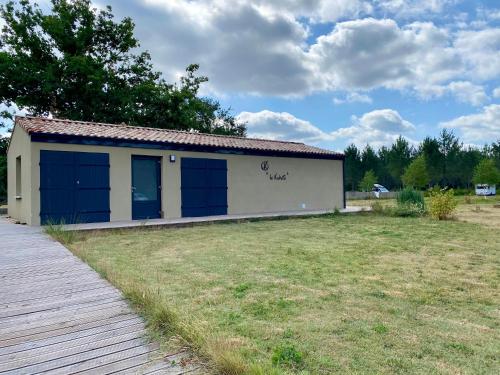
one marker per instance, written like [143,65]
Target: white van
[485,189]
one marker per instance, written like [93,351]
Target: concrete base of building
[190,221]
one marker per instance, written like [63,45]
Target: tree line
[441,160]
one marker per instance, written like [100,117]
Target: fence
[353,195]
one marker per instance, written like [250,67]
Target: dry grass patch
[335,294]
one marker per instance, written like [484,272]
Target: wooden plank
[76,296]
[54,352]
[88,360]
[130,365]
[48,278]
[60,332]
[67,293]
[59,304]
[123,367]
[59,315]
[108,327]
[171,364]
[58,323]
[28,293]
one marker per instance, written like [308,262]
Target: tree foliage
[78,62]
[416,175]
[367,181]
[486,172]
[352,167]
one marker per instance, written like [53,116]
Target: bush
[442,204]
[409,210]
[410,196]
[409,203]
[401,210]
[378,208]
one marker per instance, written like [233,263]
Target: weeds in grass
[60,234]
[288,356]
[407,209]
[380,328]
[241,290]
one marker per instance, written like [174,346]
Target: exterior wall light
[172,158]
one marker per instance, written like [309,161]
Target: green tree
[352,165]
[369,160]
[416,175]
[399,157]
[384,177]
[367,181]
[486,172]
[450,148]
[429,148]
[77,62]
[467,161]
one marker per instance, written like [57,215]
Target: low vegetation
[333,294]
[442,204]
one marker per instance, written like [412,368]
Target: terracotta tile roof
[45,126]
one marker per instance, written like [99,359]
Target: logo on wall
[273,176]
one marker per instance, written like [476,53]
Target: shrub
[410,196]
[409,203]
[378,207]
[409,210]
[442,204]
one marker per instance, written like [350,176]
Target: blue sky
[333,72]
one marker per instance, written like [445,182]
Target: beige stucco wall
[311,184]
[19,207]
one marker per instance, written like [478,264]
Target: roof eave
[117,142]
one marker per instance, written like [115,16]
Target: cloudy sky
[333,72]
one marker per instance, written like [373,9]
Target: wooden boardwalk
[58,316]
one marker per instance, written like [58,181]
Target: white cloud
[467,92]
[241,47]
[263,47]
[496,92]
[463,91]
[377,128]
[318,10]
[370,53]
[480,127]
[353,97]
[281,126]
[407,8]
[480,51]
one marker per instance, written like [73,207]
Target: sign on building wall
[271,174]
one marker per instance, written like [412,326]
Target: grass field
[334,294]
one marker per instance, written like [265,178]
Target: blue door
[146,187]
[74,187]
[203,187]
